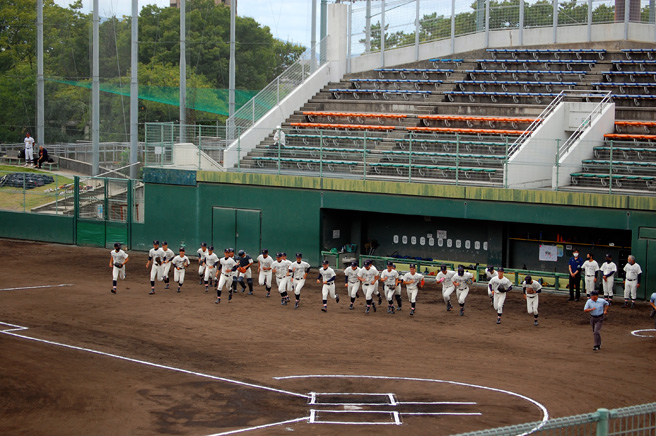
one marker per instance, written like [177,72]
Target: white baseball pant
[608,285]
[630,289]
[446,293]
[265,278]
[397,291]
[118,273]
[499,299]
[461,294]
[368,290]
[201,270]
[412,294]
[532,304]
[328,289]
[389,292]
[282,283]
[210,273]
[29,156]
[179,275]
[165,269]
[353,289]
[225,280]
[589,284]
[298,285]
[156,272]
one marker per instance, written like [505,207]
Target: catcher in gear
[245,261]
[117,259]
[155,256]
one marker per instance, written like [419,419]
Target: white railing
[606,98]
[529,130]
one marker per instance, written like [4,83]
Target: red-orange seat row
[628,136]
[473,118]
[636,123]
[458,130]
[353,114]
[342,126]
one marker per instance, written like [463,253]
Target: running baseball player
[531,289]
[352,282]
[155,256]
[166,263]
[590,268]
[117,260]
[180,263]
[608,271]
[280,267]
[652,303]
[633,274]
[299,271]
[202,252]
[327,276]
[499,286]
[245,262]
[211,262]
[397,292]
[368,275]
[462,280]
[446,278]
[235,272]
[227,265]
[390,279]
[264,262]
[489,274]
[413,281]
[290,280]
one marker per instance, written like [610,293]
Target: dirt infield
[179,364]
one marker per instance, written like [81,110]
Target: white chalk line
[394,415]
[545,412]
[637,333]
[155,365]
[36,287]
[441,413]
[291,421]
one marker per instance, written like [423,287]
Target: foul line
[637,333]
[545,413]
[291,421]
[36,287]
[143,362]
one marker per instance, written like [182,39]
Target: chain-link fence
[28,190]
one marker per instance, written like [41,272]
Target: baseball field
[77,360]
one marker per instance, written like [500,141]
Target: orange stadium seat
[342,126]
[457,130]
[629,136]
[636,123]
[352,114]
[472,118]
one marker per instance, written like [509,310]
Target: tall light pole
[40,93]
[183,71]
[95,94]
[134,90]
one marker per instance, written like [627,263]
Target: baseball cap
[155,242]
[390,263]
[117,245]
[367,262]
[284,253]
[265,251]
[354,263]
[528,279]
[278,254]
[204,244]
[461,268]
[500,269]
[299,254]
[227,250]
[594,293]
[182,249]
[165,243]
[490,267]
[241,252]
[443,268]
[211,247]
[608,255]
[325,262]
[232,250]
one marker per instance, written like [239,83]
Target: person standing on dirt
[598,309]
[575,265]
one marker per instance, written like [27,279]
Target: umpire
[597,309]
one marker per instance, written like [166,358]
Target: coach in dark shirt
[575,264]
[43,156]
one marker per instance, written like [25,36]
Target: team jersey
[168,254]
[489,275]
[351,275]
[265,262]
[119,257]
[533,288]
[201,254]
[298,270]
[369,275]
[608,269]
[415,280]
[632,271]
[227,265]
[389,278]
[180,262]
[245,261]
[500,284]
[461,281]
[446,278]
[211,260]
[155,253]
[327,275]
[281,268]
[29,142]
[590,267]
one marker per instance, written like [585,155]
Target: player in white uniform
[29,150]
[155,256]
[413,281]
[633,273]
[211,262]
[489,274]
[264,262]
[351,282]
[327,276]
[397,292]
[281,269]
[461,280]
[118,258]
[299,271]
[368,275]
[608,270]
[446,278]
[235,272]
[590,268]
[227,265]
[166,262]
[290,280]
[245,262]
[180,263]
[202,252]
[531,289]
[390,279]
[499,285]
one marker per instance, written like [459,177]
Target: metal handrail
[529,130]
[587,121]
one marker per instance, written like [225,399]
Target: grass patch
[15,200]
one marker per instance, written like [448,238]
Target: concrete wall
[187,155]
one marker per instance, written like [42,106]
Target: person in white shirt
[279,138]
[352,282]
[590,268]
[413,281]
[499,286]
[117,260]
[227,266]
[281,269]
[166,262]
[29,150]
[531,290]
[368,275]
[299,271]
[633,273]
[211,262]
[490,273]
[462,280]
[446,278]
[180,263]
[202,252]
[264,262]
[327,276]
[608,270]
[155,257]
[390,278]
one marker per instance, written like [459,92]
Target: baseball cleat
[392,310]
[166,286]
[296,305]
[218,300]
[367,311]
[152,292]
[535,322]
[113,291]
[389,309]
[324,309]
[374,306]
[595,348]
[412,312]
[229,296]
[250,293]
[178,290]
[283,302]
[498,320]
[350,307]
[462,311]
[336,298]
[633,305]
[398,308]
[380,300]
[448,306]
[268,294]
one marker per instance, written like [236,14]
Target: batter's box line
[395,416]
[389,396]
[36,287]
[15,328]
